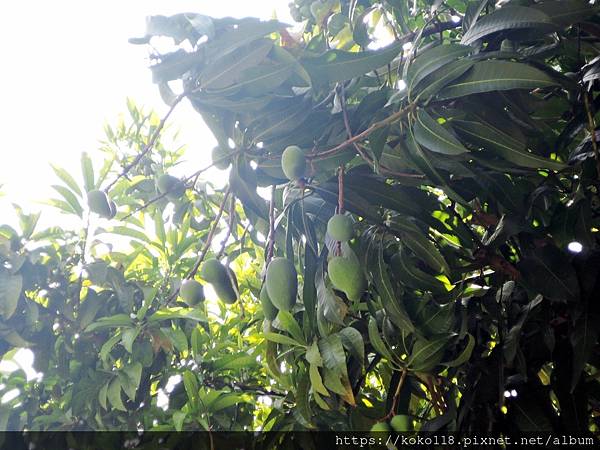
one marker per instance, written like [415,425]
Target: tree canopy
[408,233]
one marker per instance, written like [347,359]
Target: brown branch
[230,226]
[382,169]
[392,411]
[185,180]
[359,137]
[150,143]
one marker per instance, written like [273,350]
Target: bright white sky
[67,69]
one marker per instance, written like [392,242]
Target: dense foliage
[458,138]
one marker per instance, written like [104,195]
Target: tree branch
[150,143]
[206,246]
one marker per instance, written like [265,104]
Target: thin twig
[192,272]
[185,180]
[359,137]
[382,169]
[230,226]
[150,143]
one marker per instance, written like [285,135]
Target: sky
[68,69]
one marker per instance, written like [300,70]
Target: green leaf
[392,305]
[442,77]
[70,198]
[423,162]
[313,355]
[244,32]
[67,179]
[118,320]
[353,341]
[103,396]
[229,68]
[87,169]
[426,250]
[426,355]
[316,381]
[227,400]
[108,346]
[429,133]
[128,337]
[190,383]
[233,362]
[549,272]
[130,232]
[583,340]
[177,312]
[281,339]
[338,65]
[431,61]
[289,324]
[178,420]
[133,373]
[500,142]
[258,80]
[10,292]
[376,341]
[465,355]
[410,275]
[495,75]
[567,12]
[114,394]
[508,18]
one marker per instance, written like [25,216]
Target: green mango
[191,292]
[347,276]
[282,283]
[401,423]
[340,227]
[293,162]
[99,203]
[222,279]
[268,308]
[380,427]
[212,271]
[171,186]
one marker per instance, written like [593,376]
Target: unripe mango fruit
[225,291]
[221,157]
[213,270]
[340,227]
[380,427]
[293,162]
[347,276]
[282,283]
[401,423]
[99,203]
[171,186]
[268,308]
[191,292]
[222,278]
